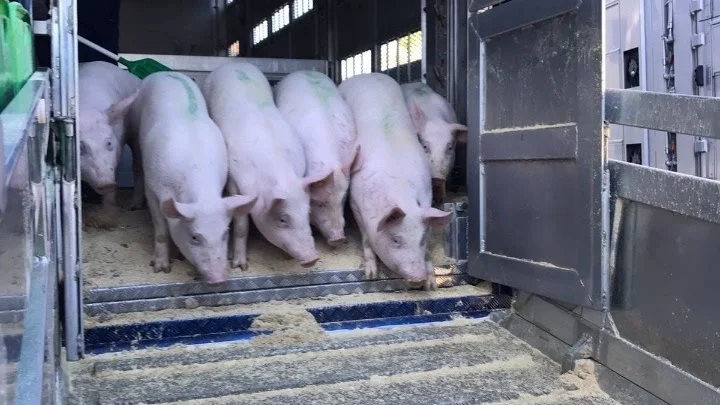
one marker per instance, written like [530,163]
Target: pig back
[168,96]
[432,104]
[182,147]
[102,84]
[321,118]
[384,129]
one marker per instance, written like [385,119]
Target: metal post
[669,75]
[64,47]
[697,41]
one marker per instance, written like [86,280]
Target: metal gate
[538,190]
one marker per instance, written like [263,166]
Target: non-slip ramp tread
[197,381]
[203,354]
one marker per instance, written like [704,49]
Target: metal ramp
[371,349]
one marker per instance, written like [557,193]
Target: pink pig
[322,120]
[438,131]
[390,189]
[185,162]
[105,95]
[266,159]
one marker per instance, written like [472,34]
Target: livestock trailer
[565,277]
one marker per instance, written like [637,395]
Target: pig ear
[418,116]
[175,210]
[319,186]
[277,197]
[436,218]
[393,217]
[350,163]
[239,204]
[460,132]
[118,110]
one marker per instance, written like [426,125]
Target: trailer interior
[565,277]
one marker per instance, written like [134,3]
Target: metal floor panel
[249,290]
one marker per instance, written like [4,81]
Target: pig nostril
[337,242]
[309,263]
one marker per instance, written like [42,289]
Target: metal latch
[701,145]
[697,40]
[696,6]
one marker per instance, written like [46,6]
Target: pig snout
[414,273]
[105,188]
[309,263]
[216,276]
[438,190]
[337,239]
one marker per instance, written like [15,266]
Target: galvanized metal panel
[662,111]
[537,167]
[665,292]
[690,196]
[652,373]
[554,142]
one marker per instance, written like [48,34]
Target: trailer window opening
[401,51]
[281,18]
[234,49]
[260,32]
[356,64]
[302,7]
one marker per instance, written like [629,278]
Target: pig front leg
[430,283]
[241,228]
[138,196]
[369,259]
[161,260]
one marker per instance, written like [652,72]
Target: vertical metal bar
[482,211]
[424,39]
[65,68]
[669,64]
[700,142]
[643,78]
[29,376]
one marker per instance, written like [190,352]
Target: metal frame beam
[692,115]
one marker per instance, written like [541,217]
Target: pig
[390,188]
[184,158]
[105,95]
[438,131]
[322,120]
[266,160]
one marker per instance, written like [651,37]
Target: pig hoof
[431,284]
[240,263]
[371,272]
[160,267]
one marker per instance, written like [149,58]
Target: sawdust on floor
[121,256]
[289,324]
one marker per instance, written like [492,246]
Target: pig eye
[320,204]
[450,147]
[424,145]
[109,146]
[396,241]
[196,239]
[284,220]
